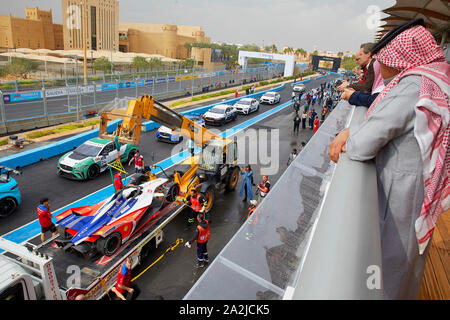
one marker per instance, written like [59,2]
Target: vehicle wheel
[131,154]
[93,172]
[109,245]
[232,180]
[7,206]
[209,196]
[63,233]
[172,192]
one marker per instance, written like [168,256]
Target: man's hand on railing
[347,93]
[338,145]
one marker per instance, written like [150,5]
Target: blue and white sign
[161,80]
[171,79]
[25,96]
[109,86]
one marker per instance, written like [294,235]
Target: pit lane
[170,279]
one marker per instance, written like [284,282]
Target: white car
[270,97]
[247,105]
[220,114]
[299,88]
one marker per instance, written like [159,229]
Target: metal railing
[70,98]
[314,236]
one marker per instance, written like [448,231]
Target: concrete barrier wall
[35,155]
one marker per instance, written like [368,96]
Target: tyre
[93,172]
[132,153]
[63,233]
[171,193]
[109,245]
[232,180]
[209,196]
[7,206]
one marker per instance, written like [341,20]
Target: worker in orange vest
[197,204]
[202,235]
[118,185]
[316,124]
[252,219]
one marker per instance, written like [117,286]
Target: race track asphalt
[175,274]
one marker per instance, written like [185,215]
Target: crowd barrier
[35,155]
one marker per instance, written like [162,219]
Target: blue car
[9,192]
[165,134]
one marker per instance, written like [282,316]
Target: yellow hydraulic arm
[147,108]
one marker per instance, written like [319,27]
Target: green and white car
[91,158]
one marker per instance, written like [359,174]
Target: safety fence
[82,99]
[35,155]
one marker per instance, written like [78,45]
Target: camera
[338,83]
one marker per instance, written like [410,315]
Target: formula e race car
[104,227]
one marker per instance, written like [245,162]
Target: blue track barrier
[35,155]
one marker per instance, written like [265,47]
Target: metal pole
[95,93]
[153,86]
[68,97]
[117,88]
[85,40]
[44,98]
[2,107]
[167,81]
[193,69]
[78,92]
[136,82]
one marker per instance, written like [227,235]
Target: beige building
[165,39]
[102,24]
[36,31]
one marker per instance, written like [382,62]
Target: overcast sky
[336,25]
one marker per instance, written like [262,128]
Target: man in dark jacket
[365,61]
[201,236]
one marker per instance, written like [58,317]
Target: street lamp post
[193,69]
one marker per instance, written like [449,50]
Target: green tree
[314,53]
[340,54]
[348,63]
[102,64]
[21,67]
[140,63]
[155,63]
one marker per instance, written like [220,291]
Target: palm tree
[274,49]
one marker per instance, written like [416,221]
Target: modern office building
[101,18]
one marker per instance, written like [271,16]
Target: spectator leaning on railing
[406,130]
[365,99]
[365,61]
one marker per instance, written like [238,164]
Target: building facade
[35,31]
[165,39]
[101,18]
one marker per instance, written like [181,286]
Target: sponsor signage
[71,90]
[109,86]
[25,96]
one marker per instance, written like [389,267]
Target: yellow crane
[214,169]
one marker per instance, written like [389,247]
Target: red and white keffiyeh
[415,52]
